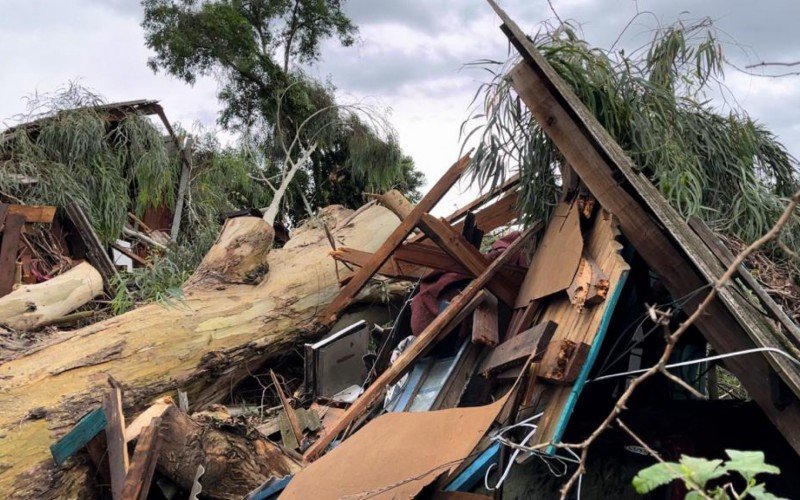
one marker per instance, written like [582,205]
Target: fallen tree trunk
[204,344]
[234,465]
[31,306]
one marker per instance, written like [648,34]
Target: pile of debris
[486,361]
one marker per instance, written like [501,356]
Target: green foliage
[75,153]
[721,166]
[696,473]
[278,110]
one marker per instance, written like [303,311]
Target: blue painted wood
[83,432]
[594,350]
[475,472]
[270,488]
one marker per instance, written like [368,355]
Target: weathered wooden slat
[115,439]
[348,293]
[486,323]
[34,213]
[439,326]
[79,436]
[462,252]
[726,257]
[96,252]
[12,231]
[517,349]
[143,463]
[291,416]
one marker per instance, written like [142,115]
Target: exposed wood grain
[96,252]
[291,416]
[427,338]
[485,323]
[12,230]
[115,439]
[34,213]
[517,349]
[143,463]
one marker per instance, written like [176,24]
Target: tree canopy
[256,49]
[709,160]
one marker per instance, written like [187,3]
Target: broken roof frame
[659,234]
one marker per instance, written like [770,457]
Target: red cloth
[438,286]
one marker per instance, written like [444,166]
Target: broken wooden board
[79,436]
[486,323]
[33,213]
[143,463]
[556,259]
[96,253]
[144,419]
[115,439]
[517,349]
[12,232]
[563,361]
[396,454]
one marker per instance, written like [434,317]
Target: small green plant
[696,473]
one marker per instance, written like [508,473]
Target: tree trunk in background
[31,306]
[205,343]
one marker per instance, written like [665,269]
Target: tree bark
[234,465]
[223,328]
[31,306]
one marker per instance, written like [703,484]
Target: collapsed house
[546,326]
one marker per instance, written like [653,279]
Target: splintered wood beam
[516,350]
[434,331]
[12,231]
[486,323]
[348,293]
[392,268]
[467,255]
[291,416]
[652,227]
[143,464]
[115,439]
[96,252]
[34,213]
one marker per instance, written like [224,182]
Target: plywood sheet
[395,455]
[554,264]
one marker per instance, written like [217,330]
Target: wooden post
[186,173]
[12,231]
[115,438]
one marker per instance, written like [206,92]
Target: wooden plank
[143,464]
[291,416]
[12,231]
[475,204]
[556,259]
[96,252]
[467,255]
[486,324]
[438,327]
[79,436]
[183,185]
[519,348]
[726,257]
[588,150]
[34,213]
[115,439]
[348,293]
[144,419]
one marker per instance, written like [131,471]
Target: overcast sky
[409,58]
